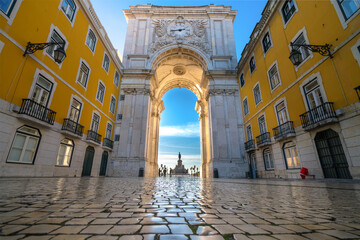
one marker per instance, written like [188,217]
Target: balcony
[250,145]
[34,110]
[108,143]
[318,116]
[263,139]
[284,131]
[72,127]
[93,136]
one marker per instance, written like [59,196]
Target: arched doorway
[88,161]
[103,164]
[331,154]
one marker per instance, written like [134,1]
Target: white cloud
[190,130]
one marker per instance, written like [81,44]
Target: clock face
[180,30]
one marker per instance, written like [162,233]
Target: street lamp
[59,53]
[295,55]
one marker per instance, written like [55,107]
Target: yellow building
[56,118]
[308,114]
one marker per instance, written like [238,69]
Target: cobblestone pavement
[177,208]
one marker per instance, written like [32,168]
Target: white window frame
[266,128]
[287,109]
[343,21]
[112,129]
[261,99]
[112,97]
[96,97]
[252,56]
[105,54]
[71,155]
[242,74]
[297,152]
[49,78]
[55,28]
[78,74]
[311,55]
[271,159]
[1,46]
[77,98]
[321,87]
[246,132]
[117,85]
[92,117]
[87,34]
[74,17]
[278,71]
[355,51]
[262,45]
[282,17]
[248,110]
[11,17]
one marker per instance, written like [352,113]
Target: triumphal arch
[170,47]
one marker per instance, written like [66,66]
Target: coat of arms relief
[192,32]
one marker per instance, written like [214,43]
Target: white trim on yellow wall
[77,98]
[13,13]
[52,28]
[77,75]
[354,50]
[74,17]
[343,21]
[1,46]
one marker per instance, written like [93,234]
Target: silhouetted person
[164,172]
[159,172]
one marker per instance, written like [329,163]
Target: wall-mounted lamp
[295,55]
[59,53]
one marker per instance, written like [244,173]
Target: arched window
[242,80]
[25,145]
[252,64]
[291,156]
[268,160]
[65,153]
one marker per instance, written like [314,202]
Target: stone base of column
[230,168]
[126,167]
[151,169]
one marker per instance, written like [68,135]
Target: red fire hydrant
[303,172]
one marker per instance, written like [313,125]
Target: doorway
[331,154]
[103,165]
[88,161]
[252,166]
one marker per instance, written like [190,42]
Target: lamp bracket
[33,47]
[323,50]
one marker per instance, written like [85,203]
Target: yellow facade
[35,21]
[320,22]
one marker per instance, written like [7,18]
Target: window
[252,64]
[24,146]
[116,78]
[75,111]
[269,163]
[288,10]
[349,7]
[112,104]
[69,7]
[242,80]
[55,37]
[122,97]
[108,131]
[84,74]
[304,51]
[262,124]
[6,6]
[291,156]
[249,132]
[101,92]
[118,116]
[106,62]
[266,42]
[42,91]
[281,113]
[313,94]
[95,123]
[274,77]
[91,40]
[246,106]
[65,153]
[117,138]
[257,94]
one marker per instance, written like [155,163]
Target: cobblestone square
[178,208]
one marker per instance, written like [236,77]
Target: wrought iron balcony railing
[38,111]
[263,139]
[317,116]
[72,126]
[93,136]
[250,145]
[284,130]
[108,143]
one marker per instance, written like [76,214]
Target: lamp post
[59,53]
[295,55]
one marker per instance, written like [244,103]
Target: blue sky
[179,125]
